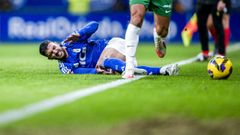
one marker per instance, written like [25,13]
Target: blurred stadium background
[36,20]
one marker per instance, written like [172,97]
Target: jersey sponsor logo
[76,65]
[76,50]
[167,6]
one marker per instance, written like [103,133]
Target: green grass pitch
[190,103]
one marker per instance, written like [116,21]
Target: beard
[64,54]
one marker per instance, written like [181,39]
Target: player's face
[55,51]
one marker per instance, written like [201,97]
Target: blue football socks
[119,66]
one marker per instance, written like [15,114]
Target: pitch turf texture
[190,103]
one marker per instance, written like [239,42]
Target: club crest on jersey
[76,65]
[76,50]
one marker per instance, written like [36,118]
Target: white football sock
[132,39]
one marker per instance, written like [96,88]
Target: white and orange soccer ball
[219,67]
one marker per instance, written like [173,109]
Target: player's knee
[162,31]
[137,18]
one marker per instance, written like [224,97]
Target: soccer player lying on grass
[78,54]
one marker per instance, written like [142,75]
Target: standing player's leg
[226,27]
[226,23]
[132,36]
[227,31]
[217,21]
[212,30]
[162,12]
[160,32]
[203,12]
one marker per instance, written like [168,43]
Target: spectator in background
[102,5]
[236,5]
[5,5]
[120,5]
[185,6]
[78,6]
[9,5]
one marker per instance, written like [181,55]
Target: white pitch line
[231,48]
[29,110]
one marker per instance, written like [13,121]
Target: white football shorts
[117,44]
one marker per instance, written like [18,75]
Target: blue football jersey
[84,53]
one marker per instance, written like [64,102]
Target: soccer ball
[219,67]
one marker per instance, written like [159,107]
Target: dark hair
[43,47]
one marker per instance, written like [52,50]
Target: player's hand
[221,6]
[101,70]
[72,38]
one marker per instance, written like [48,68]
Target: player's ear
[43,47]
